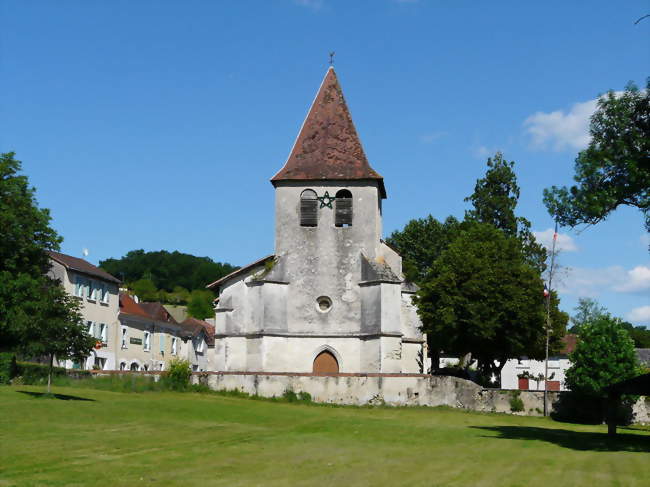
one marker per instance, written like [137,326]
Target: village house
[526,374]
[149,336]
[198,344]
[332,297]
[97,291]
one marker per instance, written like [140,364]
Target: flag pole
[548,320]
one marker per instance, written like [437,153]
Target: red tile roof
[158,312]
[194,326]
[130,307]
[80,265]
[569,341]
[328,146]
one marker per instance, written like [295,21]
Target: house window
[90,326]
[122,365]
[103,332]
[343,209]
[162,344]
[147,341]
[90,290]
[199,345]
[308,208]
[135,367]
[124,337]
[105,293]
[174,342]
[79,287]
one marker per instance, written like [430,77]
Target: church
[332,298]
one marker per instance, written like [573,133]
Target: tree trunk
[49,373]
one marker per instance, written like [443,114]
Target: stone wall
[391,389]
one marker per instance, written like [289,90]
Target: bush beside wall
[8,367]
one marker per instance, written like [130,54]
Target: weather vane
[332,58]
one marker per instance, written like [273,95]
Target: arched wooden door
[325,363]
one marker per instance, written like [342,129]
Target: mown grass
[87,437]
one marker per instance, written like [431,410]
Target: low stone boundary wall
[390,389]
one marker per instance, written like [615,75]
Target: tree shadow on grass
[62,397]
[575,440]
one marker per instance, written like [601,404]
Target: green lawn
[163,438]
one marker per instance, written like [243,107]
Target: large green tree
[421,242]
[60,332]
[494,202]
[483,297]
[614,169]
[26,234]
[36,316]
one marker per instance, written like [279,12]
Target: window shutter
[308,212]
[343,211]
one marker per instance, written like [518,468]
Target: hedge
[8,367]
[29,372]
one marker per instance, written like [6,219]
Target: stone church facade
[332,298]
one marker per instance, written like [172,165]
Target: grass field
[89,437]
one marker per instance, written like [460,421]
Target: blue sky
[157,124]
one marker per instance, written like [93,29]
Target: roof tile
[328,146]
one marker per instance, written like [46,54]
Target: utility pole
[548,320]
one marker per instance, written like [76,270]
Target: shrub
[574,407]
[33,374]
[290,396]
[8,368]
[177,377]
[516,404]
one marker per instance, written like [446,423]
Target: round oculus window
[323,304]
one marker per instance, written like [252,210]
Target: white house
[97,291]
[527,374]
[332,297]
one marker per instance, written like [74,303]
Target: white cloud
[638,279]
[564,242]
[591,282]
[588,282]
[313,4]
[560,130]
[483,151]
[432,137]
[639,315]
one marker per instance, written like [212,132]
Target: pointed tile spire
[328,147]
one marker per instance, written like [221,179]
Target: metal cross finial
[332,58]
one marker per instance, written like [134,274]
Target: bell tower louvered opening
[343,209]
[308,208]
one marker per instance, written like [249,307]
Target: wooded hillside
[167,270]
